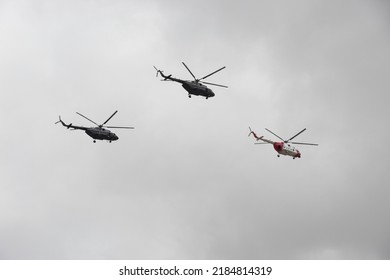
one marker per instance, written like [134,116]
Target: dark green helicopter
[97,133]
[193,87]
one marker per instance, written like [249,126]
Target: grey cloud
[188,183]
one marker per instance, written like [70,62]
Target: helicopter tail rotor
[254,134]
[165,78]
[64,124]
[59,120]
[250,131]
[157,71]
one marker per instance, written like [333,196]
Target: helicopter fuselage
[100,133]
[286,149]
[283,148]
[194,88]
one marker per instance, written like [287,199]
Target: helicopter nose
[210,93]
[114,137]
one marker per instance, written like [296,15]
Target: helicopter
[100,132]
[283,148]
[194,87]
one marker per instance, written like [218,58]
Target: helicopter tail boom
[259,138]
[70,125]
[167,78]
[158,71]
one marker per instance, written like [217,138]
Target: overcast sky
[188,183]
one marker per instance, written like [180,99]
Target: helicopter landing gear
[189,96]
[207,97]
[94,141]
[278,155]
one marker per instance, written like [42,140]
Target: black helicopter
[99,132]
[193,87]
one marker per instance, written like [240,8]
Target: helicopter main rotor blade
[156,70]
[189,71]
[87,118]
[300,143]
[127,127]
[212,73]
[109,118]
[214,84]
[274,134]
[296,135]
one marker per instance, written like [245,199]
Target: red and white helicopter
[284,147]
